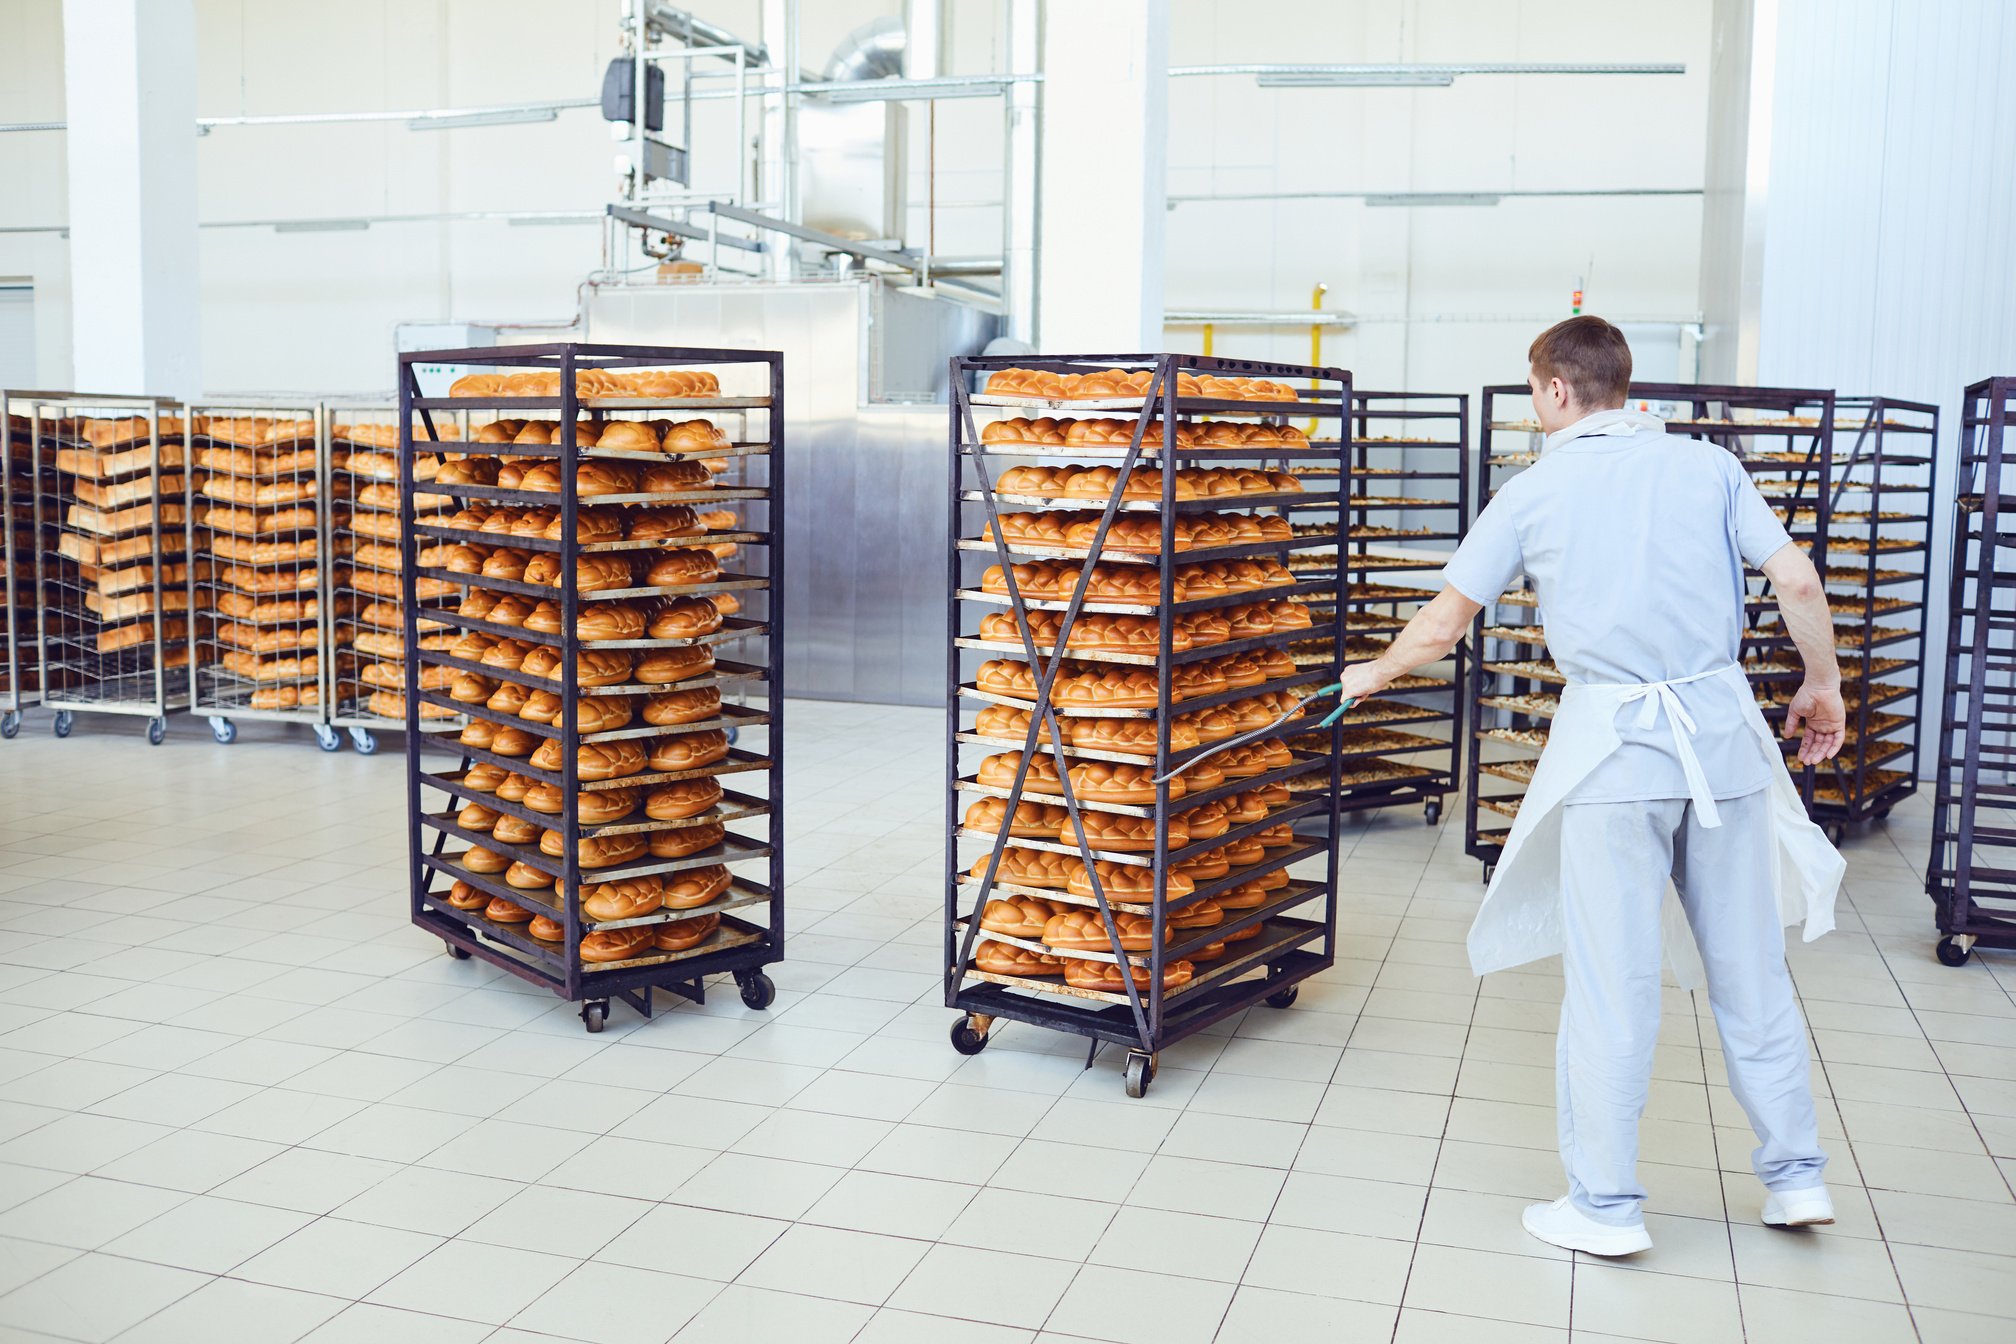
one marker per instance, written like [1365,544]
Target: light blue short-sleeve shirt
[1636,544]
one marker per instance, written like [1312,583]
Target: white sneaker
[1562,1224]
[1798,1208]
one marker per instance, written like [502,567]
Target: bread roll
[1110,782]
[592,807]
[1029,868]
[680,568]
[998,772]
[1105,976]
[546,929]
[527,878]
[1082,930]
[686,841]
[689,751]
[508,698]
[663,667]
[595,851]
[662,523]
[696,886]
[484,861]
[476,817]
[1119,834]
[1128,882]
[501,911]
[594,761]
[682,798]
[680,934]
[594,667]
[510,830]
[1007,959]
[1018,916]
[462,896]
[625,899]
[676,478]
[676,707]
[686,618]
[629,436]
[605,945]
[1032,821]
[1278,837]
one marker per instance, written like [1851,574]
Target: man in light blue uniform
[1659,765]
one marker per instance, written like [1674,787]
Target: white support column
[129,76]
[1104,177]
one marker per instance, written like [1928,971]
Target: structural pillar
[129,78]
[1104,174]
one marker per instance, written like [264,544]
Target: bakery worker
[1658,764]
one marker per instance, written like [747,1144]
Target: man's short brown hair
[1589,356]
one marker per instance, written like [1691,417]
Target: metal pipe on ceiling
[1401,70]
[1407,197]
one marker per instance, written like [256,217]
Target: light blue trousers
[1615,858]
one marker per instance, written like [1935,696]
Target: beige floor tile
[1662,1307]
[1130,1307]
[1972,1281]
[1515,1287]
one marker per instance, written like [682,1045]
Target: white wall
[1448,297]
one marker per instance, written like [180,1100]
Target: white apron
[1520,920]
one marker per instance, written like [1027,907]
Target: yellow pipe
[1209,331]
[1316,343]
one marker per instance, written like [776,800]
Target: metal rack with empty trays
[257,491]
[1408,507]
[1290,933]
[750,660]
[368,615]
[1971,873]
[112,621]
[1784,438]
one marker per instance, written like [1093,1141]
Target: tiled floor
[241,1100]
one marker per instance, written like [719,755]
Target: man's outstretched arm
[1435,630]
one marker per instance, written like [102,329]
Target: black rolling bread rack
[523,905]
[1165,584]
[1971,876]
[1785,440]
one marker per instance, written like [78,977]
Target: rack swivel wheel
[1432,814]
[224,731]
[157,732]
[364,740]
[10,724]
[65,720]
[1836,833]
[326,738]
[1954,950]
[459,953]
[1283,998]
[594,1014]
[759,991]
[1140,1073]
[969,1035]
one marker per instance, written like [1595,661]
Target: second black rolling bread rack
[1173,618]
[653,889]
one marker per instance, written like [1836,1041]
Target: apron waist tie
[1660,694]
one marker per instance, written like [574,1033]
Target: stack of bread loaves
[1194,869]
[256,518]
[121,555]
[650,570]
[370,636]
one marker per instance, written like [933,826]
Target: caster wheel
[966,1040]
[65,721]
[1140,1073]
[223,730]
[595,1015]
[1836,833]
[1282,998]
[1432,814]
[1951,953]
[759,991]
[459,953]
[733,733]
[10,724]
[1489,869]
[1881,814]
[157,732]
[326,738]
[364,740]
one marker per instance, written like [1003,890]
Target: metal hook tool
[1327,720]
